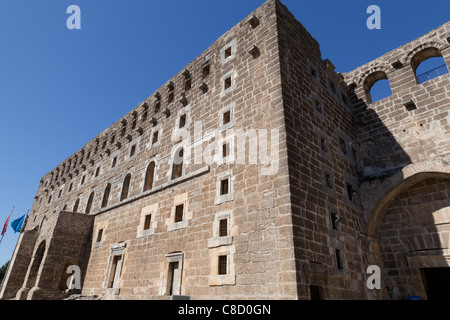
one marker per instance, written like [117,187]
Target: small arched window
[75,207]
[148,184]
[42,222]
[106,195]
[89,204]
[377,87]
[125,187]
[177,167]
[428,64]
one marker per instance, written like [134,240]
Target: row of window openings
[177,172]
[315,75]
[179,216]
[173,272]
[342,147]
[350,191]
[206,70]
[112,141]
[222,269]
[97,173]
[182,123]
[381,88]
[427,70]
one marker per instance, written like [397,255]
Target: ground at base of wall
[81,297]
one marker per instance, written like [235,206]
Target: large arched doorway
[414,238]
[37,261]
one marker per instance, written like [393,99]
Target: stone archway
[408,227]
[414,236]
[376,195]
[36,264]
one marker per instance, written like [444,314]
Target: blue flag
[17,224]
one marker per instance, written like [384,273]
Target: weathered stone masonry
[357,182]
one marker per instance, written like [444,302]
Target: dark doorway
[316,292]
[437,283]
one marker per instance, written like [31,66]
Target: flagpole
[6,224]
[15,247]
[24,221]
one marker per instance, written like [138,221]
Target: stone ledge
[166,185]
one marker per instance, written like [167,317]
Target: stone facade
[256,172]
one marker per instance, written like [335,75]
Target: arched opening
[428,64]
[377,87]
[76,205]
[413,239]
[148,184]
[89,204]
[36,264]
[177,167]
[125,187]
[106,195]
[42,223]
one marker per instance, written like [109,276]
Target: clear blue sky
[59,88]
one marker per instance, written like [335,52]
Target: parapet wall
[413,123]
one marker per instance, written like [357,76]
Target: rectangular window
[332,87]
[114,162]
[182,121]
[313,72]
[323,144]
[227,53]
[179,211]
[206,71]
[328,180]
[99,235]
[155,137]
[97,172]
[350,192]
[343,145]
[222,265]
[224,184]
[157,106]
[227,83]
[315,292]
[82,180]
[334,221]
[225,150]
[226,117]
[187,84]
[116,269]
[174,278]
[133,150]
[339,264]
[223,228]
[147,222]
